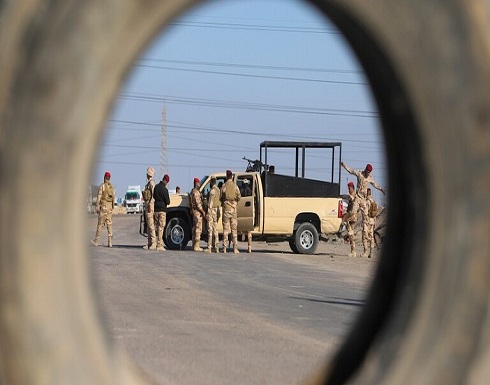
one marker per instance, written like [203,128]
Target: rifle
[255,165]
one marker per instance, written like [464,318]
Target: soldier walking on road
[162,200]
[212,216]
[230,195]
[149,207]
[198,214]
[371,223]
[364,178]
[350,219]
[104,206]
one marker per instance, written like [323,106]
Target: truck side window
[245,186]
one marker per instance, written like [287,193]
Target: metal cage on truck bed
[277,185]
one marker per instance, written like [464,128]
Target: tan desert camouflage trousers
[197,226]
[160,219]
[150,221]
[230,225]
[213,236]
[105,218]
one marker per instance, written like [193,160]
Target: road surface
[269,317]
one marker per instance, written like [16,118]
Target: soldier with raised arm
[364,179]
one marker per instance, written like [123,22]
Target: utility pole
[163,144]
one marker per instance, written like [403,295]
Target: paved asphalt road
[269,317]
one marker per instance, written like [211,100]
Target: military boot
[197,247]
[94,243]
[371,252]
[207,250]
[249,250]
[109,242]
[235,250]
[352,254]
[224,250]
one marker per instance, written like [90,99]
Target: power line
[256,66]
[255,27]
[254,76]
[248,106]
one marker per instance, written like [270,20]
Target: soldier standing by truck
[364,178]
[198,214]
[162,199]
[104,207]
[230,195]
[214,203]
[149,207]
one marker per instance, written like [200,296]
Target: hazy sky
[229,75]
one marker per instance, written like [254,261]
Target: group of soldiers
[156,199]
[360,198]
[225,199]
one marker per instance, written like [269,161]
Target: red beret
[166,178]
[197,180]
[107,175]
[369,167]
[350,184]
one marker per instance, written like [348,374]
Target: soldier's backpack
[373,209]
[230,192]
[108,192]
[147,193]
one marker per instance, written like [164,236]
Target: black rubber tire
[177,234]
[306,238]
[426,317]
[292,245]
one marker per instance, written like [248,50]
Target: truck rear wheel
[177,234]
[306,238]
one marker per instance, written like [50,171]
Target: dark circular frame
[427,314]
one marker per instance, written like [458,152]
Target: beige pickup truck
[280,207]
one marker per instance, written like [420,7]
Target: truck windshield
[132,196]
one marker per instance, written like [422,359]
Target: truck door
[246,205]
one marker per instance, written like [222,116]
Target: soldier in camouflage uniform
[214,204]
[149,209]
[371,223]
[198,214]
[230,195]
[104,206]
[350,219]
[364,178]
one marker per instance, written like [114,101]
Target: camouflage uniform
[368,229]
[105,205]
[149,210]
[350,221]
[360,201]
[214,204]
[197,217]
[229,202]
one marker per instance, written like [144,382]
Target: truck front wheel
[177,234]
[306,238]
